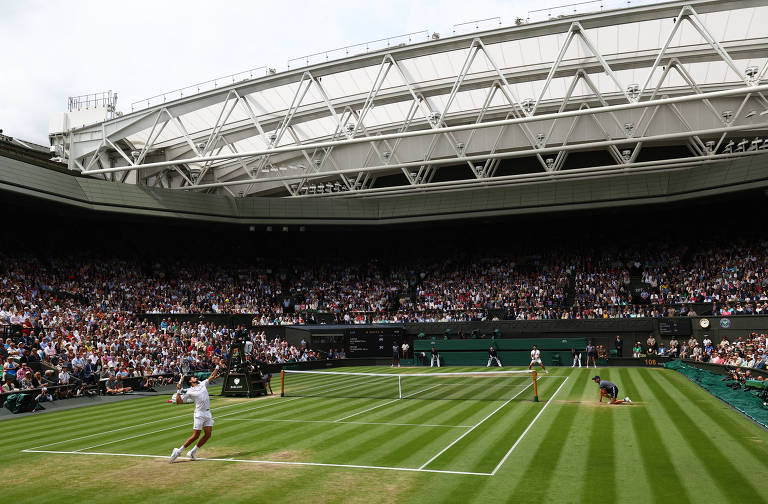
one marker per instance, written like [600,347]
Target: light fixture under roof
[752,73]
[633,91]
[527,105]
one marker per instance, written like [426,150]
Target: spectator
[650,345]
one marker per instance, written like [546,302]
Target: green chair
[555,359]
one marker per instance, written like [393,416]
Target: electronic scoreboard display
[675,327]
[373,342]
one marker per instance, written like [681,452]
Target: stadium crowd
[86,318]
[732,279]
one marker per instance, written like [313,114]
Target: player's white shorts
[202,421]
[536,361]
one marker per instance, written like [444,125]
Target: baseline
[274,462]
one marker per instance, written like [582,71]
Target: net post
[399,387]
[282,383]
[535,388]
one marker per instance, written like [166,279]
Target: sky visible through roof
[53,50]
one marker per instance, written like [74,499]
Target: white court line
[131,427]
[186,424]
[473,428]
[388,402]
[506,456]
[218,408]
[300,392]
[275,462]
[355,423]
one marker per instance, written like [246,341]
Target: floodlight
[633,91]
[528,105]
[752,73]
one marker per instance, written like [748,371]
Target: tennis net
[488,386]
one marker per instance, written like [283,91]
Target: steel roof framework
[352,151]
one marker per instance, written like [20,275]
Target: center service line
[473,428]
[528,428]
[388,402]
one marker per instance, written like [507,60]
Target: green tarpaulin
[746,401]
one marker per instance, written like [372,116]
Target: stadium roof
[386,123]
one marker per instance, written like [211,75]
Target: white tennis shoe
[192,454]
[628,400]
[175,454]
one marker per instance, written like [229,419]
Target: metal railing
[579,8]
[201,87]
[316,58]
[362,48]
[105,99]
[476,25]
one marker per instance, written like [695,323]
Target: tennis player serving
[197,391]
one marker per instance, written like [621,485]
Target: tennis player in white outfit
[536,359]
[203,421]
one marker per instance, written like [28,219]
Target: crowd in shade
[727,280]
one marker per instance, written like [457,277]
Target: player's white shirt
[535,355]
[199,394]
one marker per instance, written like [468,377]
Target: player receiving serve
[610,390]
[536,359]
[198,392]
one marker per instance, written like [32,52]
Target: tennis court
[433,422]
[675,443]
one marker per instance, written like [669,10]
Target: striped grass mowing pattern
[675,444]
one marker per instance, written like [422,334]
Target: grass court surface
[676,444]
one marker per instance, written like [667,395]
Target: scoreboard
[373,342]
[675,327]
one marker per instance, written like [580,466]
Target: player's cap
[595,378]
